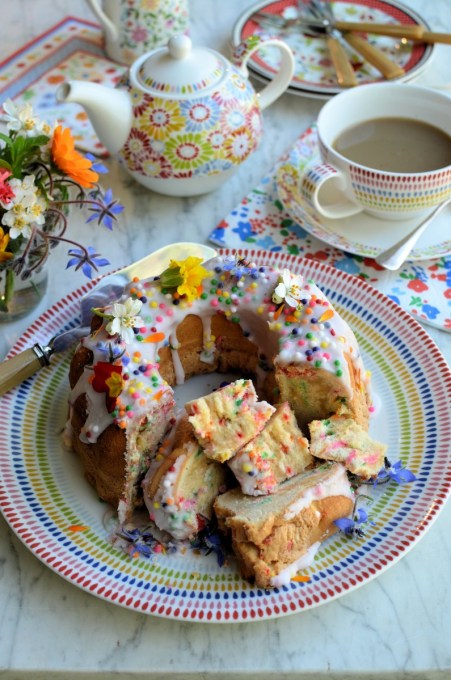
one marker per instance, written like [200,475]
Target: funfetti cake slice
[273,535]
[277,453]
[181,486]
[343,440]
[228,418]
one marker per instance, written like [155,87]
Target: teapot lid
[179,69]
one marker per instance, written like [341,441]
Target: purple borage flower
[86,260]
[97,164]
[105,209]
[353,527]
[396,472]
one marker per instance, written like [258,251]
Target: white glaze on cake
[336,484]
[303,562]
[243,292]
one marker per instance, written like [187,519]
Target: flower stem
[8,290]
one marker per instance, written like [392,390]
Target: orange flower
[4,240]
[70,161]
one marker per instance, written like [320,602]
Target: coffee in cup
[385,149]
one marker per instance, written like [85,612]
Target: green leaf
[34,142]
[5,164]
[6,139]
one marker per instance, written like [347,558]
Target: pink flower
[6,192]
[139,34]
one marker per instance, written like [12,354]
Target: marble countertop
[396,626]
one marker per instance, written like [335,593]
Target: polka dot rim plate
[51,508]
[314,75]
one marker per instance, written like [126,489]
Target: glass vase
[19,297]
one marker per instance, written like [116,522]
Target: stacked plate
[314,74]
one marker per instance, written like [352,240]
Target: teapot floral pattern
[201,135]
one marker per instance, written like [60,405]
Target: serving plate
[51,508]
[314,75]
[360,234]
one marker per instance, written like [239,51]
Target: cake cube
[277,453]
[228,418]
[341,439]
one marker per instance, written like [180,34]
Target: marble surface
[397,626]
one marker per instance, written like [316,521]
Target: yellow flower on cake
[185,276]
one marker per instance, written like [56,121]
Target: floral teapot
[185,118]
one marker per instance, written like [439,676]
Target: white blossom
[26,208]
[21,118]
[125,318]
[288,289]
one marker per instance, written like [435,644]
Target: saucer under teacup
[360,234]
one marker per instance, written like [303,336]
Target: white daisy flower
[125,318]
[26,208]
[21,118]
[288,289]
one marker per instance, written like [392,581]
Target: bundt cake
[227,314]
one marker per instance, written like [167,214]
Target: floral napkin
[70,50]
[423,288]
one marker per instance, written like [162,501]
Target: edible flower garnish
[352,526]
[395,472]
[288,289]
[208,539]
[141,542]
[108,379]
[185,276]
[123,319]
[239,266]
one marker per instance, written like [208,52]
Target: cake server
[23,365]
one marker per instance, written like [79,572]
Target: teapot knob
[180,46]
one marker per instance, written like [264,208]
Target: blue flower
[209,539]
[244,230]
[97,164]
[105,209]
[348,265]
[396,472]
[86,260]
[239,267]
[430,311]
[353,527]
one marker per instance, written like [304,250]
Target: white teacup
[338,187]
[134,27]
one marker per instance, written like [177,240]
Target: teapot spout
[109,110]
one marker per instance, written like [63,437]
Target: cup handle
[282,78]
[322,187]
[106,22]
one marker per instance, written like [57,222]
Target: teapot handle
[243,52]
[106,22]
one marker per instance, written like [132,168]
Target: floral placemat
[260,221]
[70,50]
